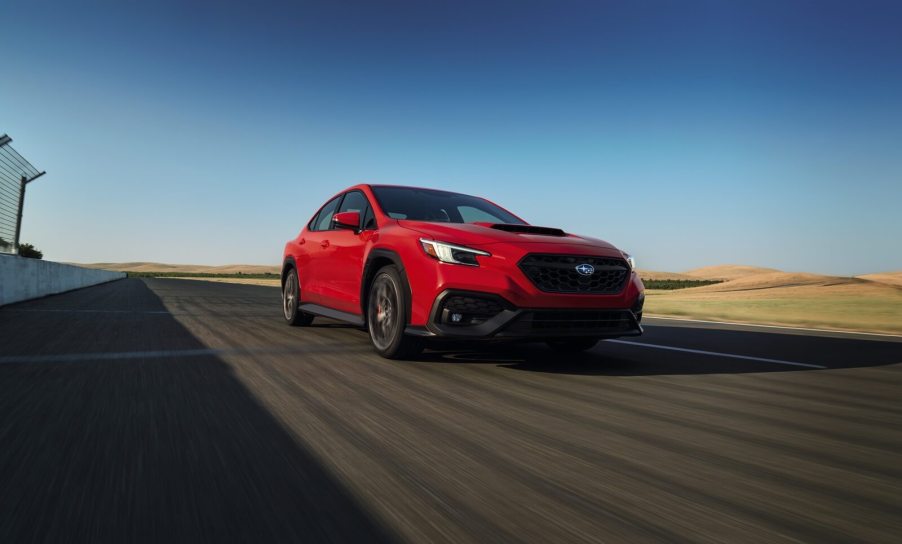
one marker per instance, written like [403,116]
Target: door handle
[324,243]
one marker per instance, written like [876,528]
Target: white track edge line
[718,354]
[839,331]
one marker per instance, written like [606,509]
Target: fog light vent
[468,310]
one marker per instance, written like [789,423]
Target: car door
[343,268]
[316,242]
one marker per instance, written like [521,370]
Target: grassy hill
[891,278]
[867,303]
[728,272]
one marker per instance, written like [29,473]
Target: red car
[411,264]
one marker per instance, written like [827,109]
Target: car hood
[484,234]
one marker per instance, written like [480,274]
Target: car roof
[376,186]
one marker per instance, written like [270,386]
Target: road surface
[166,410]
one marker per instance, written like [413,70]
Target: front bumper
[500,275]
[493,317]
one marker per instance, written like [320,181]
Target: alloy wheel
[383,312]
[290,296]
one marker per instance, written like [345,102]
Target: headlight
[630,260]
[449,253]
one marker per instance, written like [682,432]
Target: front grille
[557,274]
[572,322]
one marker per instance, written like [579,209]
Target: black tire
[290,296]
[572,345]
[386,316]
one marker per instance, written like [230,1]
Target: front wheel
[290,299]
[386,316]
[573,345]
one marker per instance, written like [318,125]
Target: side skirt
[316,309]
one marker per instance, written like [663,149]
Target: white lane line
[168,354]
[141,312]
[78,357]
[82,311]
[837,331]
[731,355]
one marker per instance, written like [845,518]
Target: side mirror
[346,220]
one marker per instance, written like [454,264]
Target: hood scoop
[528,229]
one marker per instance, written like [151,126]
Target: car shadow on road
[333,325]
[537,358]
[790,353]
[164,447]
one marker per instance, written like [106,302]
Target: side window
[355,201]
[369,220]
[323,220]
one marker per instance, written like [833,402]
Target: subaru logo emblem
[585,269]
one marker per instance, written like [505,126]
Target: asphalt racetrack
[167,410]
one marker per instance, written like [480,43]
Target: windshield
[439,206]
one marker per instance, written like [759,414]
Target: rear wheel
[572,345]
[386,316]
[290,299]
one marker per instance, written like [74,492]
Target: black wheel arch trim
[288,263]
[369,274]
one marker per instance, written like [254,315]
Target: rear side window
[323,220]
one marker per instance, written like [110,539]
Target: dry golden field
[871,303]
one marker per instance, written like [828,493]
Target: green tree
[28,250]
[4,244]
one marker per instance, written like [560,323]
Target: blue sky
[689,133]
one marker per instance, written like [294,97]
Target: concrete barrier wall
[23,279]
